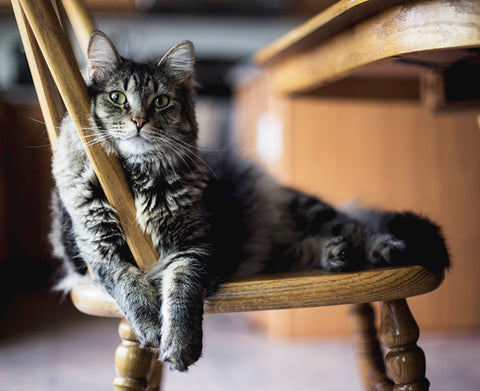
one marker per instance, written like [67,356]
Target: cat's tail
[425,242]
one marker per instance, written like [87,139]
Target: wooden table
[383,47]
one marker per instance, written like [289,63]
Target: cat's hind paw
[339,255]
[387,250]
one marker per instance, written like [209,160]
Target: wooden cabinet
[392,154]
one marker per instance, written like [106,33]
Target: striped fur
[206,224]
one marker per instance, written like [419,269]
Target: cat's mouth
[137,137]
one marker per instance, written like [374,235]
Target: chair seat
[307,288]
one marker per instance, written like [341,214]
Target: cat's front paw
[387,250]
[148,332]
[181,347]
[339,255]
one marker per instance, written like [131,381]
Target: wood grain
[92,299]
[310,288]
[338,16]
[396,31]
[315,288]
[405,360]
[134,365]
[62,64]
[81,21]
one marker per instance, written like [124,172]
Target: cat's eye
[161,101]
[118,97]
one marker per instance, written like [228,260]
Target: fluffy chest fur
[168,198]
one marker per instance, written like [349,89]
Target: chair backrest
[57,79]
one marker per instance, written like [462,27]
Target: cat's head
[144,109]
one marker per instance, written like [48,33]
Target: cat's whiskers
[203,148]
[93,135]
[177,152]
[96,128]
[42,122]
[180,151]
[189,149]
[160,144]
[191,155]
[98,136]
[94,139]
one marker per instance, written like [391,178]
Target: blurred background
[339,148]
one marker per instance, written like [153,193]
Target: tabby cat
[209,216]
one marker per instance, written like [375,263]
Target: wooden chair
[57,78]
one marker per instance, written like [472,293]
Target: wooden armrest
[309,288]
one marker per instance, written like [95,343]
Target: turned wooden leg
[405,361]
[137,369]
[367,349]
[155,378]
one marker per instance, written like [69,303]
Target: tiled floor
[45,345]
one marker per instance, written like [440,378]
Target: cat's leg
[326,251]
[174,216]
[328,238]
[183,288]
[107,254]
[101,243]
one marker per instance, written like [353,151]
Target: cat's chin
[135,147]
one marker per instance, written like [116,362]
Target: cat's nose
[139,122]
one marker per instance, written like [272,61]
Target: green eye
[161,101]
[118,97]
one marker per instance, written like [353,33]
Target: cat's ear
[180,59]
[102,57]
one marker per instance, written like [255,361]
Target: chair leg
[368,353]
[405,361]
[155,378]
[137,369]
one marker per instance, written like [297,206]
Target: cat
[210,216]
